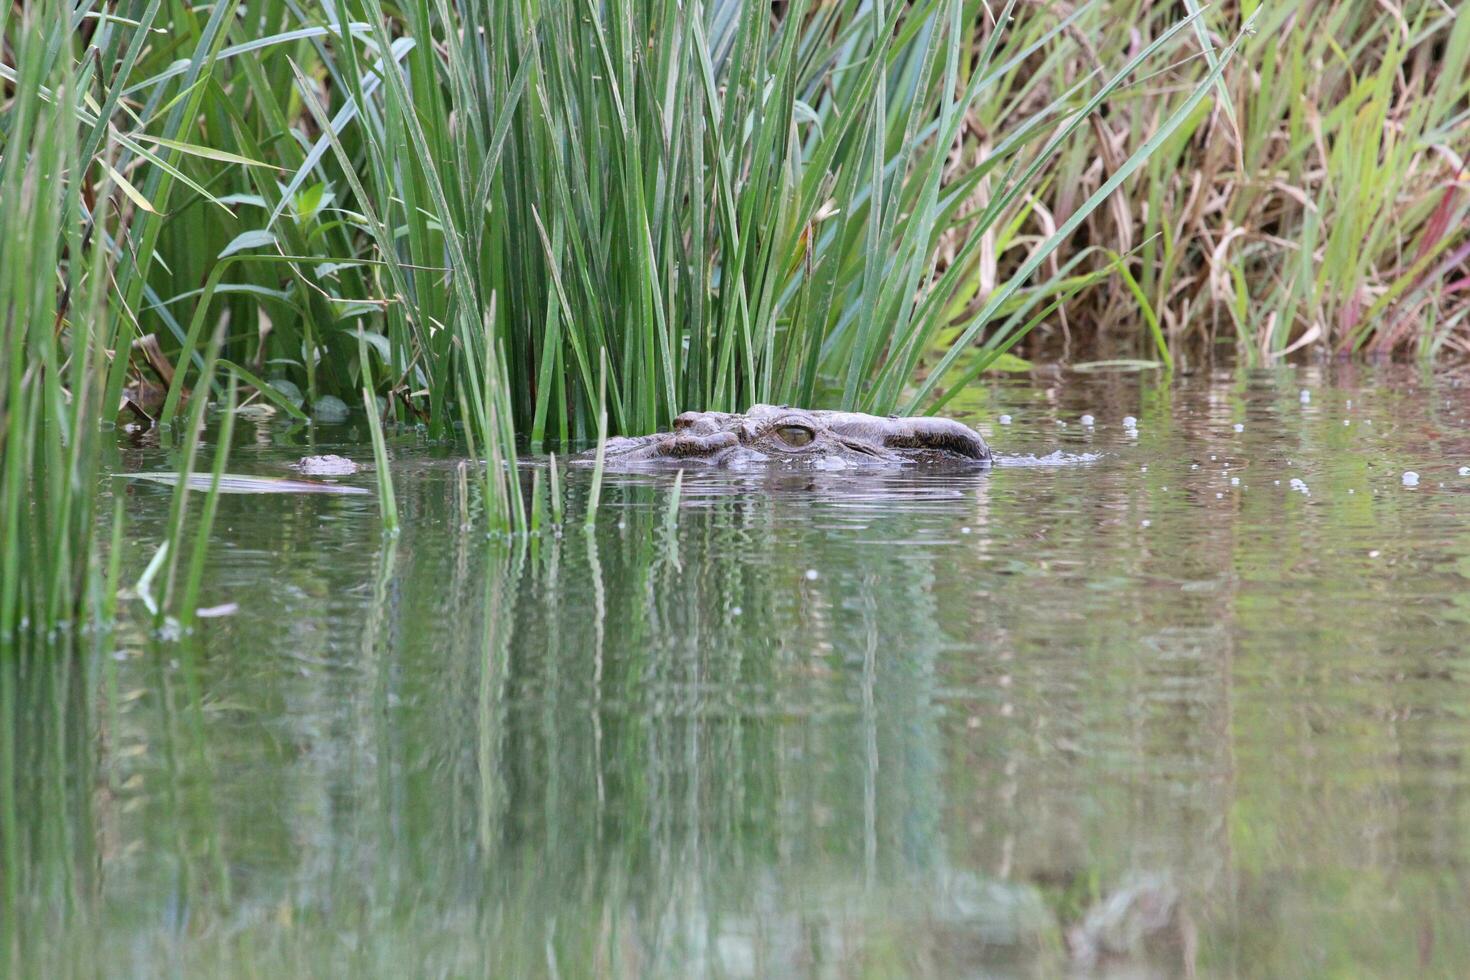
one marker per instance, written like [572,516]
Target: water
[821,725]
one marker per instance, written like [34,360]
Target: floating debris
[1129,422]
[811,574]
[1465,471]
[1305,396]
[1004,420]
[1240,427]
[238,483]
[1300,485]
[1088,421]
[328,465]
[1410,478]
[258,411]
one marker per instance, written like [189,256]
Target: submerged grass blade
[387,502]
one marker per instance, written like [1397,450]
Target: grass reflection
[790,725]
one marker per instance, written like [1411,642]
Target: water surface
[830,725]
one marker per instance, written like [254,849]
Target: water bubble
[1143,469]
[811,574]
[735,610]
[1004,420]
[1145,522]
[1374,553]
[1218,496]
[1346,422]
[1410,478]
[964,530]
[1129,422]
[1088,420]
[1239,427]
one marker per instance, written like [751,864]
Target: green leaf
[207,152]
[1010,363]
[134,195]
[260,238]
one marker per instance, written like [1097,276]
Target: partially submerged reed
[55,340]
[66,329]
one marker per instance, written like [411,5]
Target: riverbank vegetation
[508,218]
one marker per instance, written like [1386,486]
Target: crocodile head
[780,436]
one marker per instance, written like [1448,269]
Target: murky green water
[828,726]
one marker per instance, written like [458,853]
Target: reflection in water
[1155,712]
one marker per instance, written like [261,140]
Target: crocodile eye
[795,435]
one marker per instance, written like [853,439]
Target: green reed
[54,335]
[732,207]
[852,204]
[1326,212]
[387,502]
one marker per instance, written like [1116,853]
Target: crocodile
[781,436]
